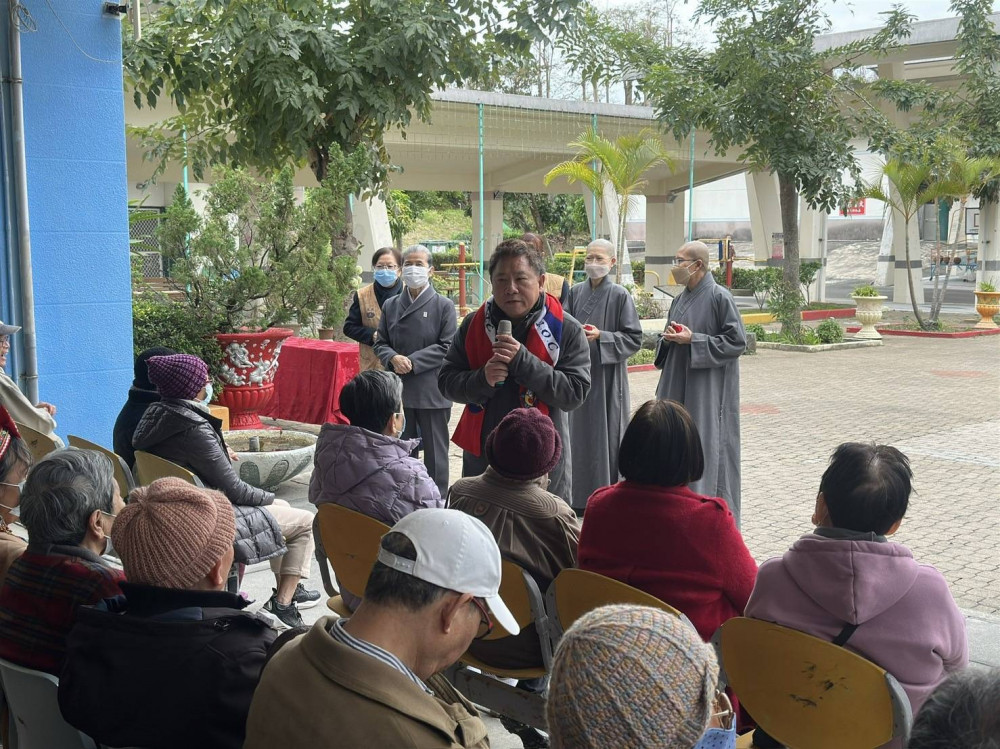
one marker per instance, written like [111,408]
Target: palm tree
[619,164]
[911,185]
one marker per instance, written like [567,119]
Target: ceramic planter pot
[869,312]
[249,363]
[988,306]
[282,455]
[327,334]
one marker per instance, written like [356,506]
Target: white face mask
[415,276]
[596,270]
[208,394]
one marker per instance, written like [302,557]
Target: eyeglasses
[724,708]
[485,622]
[4,341]
[387,267]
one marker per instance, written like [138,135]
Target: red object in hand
[677,327]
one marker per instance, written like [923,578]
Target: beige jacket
[316,692]
[23,411]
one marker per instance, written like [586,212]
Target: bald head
[603,246]
[694,251]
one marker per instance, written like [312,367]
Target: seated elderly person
[365,466]
[68,505]
[652,532]
[40,416]
[140,395]
[180,428]
[15,460]
[962,713]
[176,543]
[533,528]
[636,677]
[372,679]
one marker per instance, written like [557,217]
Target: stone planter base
[819,348]
[284,455]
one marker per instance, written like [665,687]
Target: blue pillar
[77,194]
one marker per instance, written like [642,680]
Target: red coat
[679,546]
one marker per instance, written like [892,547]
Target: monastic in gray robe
[597,427]
[563,388]
[705,376]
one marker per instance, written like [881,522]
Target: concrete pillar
[493,220]
[885,270]
[371,226]
[901,287]
[765,214]
[812,246]
[988,256]
[665,232]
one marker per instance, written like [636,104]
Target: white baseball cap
[454,551]
[6,329]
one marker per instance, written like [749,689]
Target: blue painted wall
[77,192]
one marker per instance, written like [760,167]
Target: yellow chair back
[808,693]
[351,541]
[575,592]
[38,443]
[149,467]
[123,476]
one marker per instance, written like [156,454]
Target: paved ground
[937,400]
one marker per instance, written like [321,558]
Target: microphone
[504,328]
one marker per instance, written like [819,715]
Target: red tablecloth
[310,376]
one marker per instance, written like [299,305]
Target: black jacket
[128,419]
[180,432]
[354,327]
[177,669]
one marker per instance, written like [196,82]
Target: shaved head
[695,251]
[603,245]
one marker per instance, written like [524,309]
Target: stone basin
[283,455]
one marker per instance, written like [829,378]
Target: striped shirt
[341,635]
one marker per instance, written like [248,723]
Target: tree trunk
[909,275]
[788,196]
[628,92]
[536,214]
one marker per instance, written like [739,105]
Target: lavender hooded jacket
[908,623]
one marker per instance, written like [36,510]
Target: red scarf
[544,338]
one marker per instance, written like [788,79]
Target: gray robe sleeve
[382,349]
[708,351]
[564,386]
[430,357]
[618,345]
[456,380]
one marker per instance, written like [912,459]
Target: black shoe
[305,599]
[287,614]
[531,738]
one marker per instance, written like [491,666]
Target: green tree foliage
[766,93]
[264,83]
[558,219]
[399,208]
[621,165]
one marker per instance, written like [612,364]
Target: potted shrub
[987,304]
[869,310]
[255,260]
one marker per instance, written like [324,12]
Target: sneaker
[305,599]
[287,614]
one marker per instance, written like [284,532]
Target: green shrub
[829,331]
[639,272]
[758,330]
[866,290]
[642,356]
[158,322]
[646,307]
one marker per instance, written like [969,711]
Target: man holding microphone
[543,361]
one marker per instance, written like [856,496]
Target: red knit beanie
[171,533]
[524,445]
[178,375]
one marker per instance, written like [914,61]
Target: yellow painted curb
[757,317]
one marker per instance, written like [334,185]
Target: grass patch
[642,356]
[828,305]
[439,224]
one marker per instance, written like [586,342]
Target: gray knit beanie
[630,676]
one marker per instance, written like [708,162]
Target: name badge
[425,314]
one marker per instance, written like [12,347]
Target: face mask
[402,428]
[15,512]
[681,273]
[415,276]
[208,394]
[596,270]
[385,277]
[109,548]
[718,738]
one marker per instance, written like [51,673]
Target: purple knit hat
[524,445]
[178,375]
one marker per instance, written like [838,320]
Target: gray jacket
[563,388]
[420,329]
[179,431]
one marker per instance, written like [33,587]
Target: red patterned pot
[249,362]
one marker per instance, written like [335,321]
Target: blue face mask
[385,277]
[402,428]
[718,738]
[208,394]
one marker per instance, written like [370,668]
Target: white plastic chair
[35,719]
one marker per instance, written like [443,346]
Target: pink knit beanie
[171,533]
[177,375]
